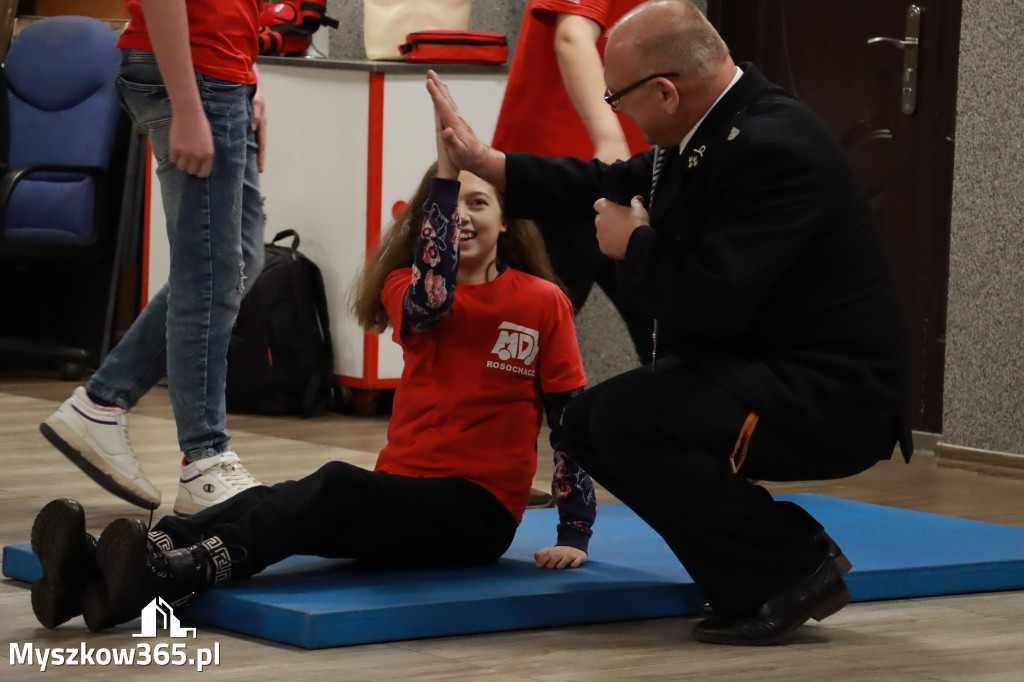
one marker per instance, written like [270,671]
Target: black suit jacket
[762,263]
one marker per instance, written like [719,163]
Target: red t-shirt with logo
[223,34]
[469,401]
[537,115]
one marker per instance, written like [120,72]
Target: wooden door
[819,51]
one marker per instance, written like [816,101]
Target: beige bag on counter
[386,23]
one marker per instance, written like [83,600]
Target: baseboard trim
[925,442]
[981,461]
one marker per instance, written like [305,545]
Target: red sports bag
[455,47]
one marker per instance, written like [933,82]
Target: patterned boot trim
[161,540]
[220,559]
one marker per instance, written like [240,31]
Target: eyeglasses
[613,98]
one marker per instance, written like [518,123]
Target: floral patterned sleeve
[436,260]
[571,486]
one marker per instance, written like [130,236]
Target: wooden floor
[971,638]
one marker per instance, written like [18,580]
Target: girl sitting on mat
[488,342]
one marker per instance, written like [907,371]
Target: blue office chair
[64,200]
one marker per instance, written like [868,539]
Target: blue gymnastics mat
[316,603]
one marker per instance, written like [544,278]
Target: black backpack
[281,360]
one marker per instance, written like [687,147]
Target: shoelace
[122,421]
[237,475]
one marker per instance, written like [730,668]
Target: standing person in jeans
[188,77]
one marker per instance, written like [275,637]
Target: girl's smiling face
[482,222]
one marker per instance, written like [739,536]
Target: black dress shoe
[832,552]
[817,596]
[68,557]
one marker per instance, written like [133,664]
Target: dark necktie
[661,155]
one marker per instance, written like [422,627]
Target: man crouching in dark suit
[778,345]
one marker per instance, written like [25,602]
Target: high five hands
[445,168]
[463,147]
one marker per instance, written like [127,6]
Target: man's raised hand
[464,148]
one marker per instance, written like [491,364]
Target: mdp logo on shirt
[515,342]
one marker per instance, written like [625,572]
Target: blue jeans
[215,230]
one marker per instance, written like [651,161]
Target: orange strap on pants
[742,443]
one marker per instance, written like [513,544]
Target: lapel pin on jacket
[693,160]
[733,133]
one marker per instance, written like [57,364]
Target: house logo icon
[159,609]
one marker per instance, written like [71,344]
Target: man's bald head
[668,36]
[682,64]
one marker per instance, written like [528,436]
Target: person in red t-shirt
[187,76]
[552,104]
[489,347]
[553,107]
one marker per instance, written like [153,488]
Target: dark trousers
[660,442]
[342,511]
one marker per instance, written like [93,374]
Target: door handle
[910,46]
[908,42]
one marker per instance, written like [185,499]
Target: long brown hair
[520,247]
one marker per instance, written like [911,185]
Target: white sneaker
[96,439]
[211,480]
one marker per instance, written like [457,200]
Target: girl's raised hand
[445,168]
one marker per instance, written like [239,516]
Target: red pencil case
[455,47]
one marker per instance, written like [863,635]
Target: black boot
[68,557]
[134,572]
